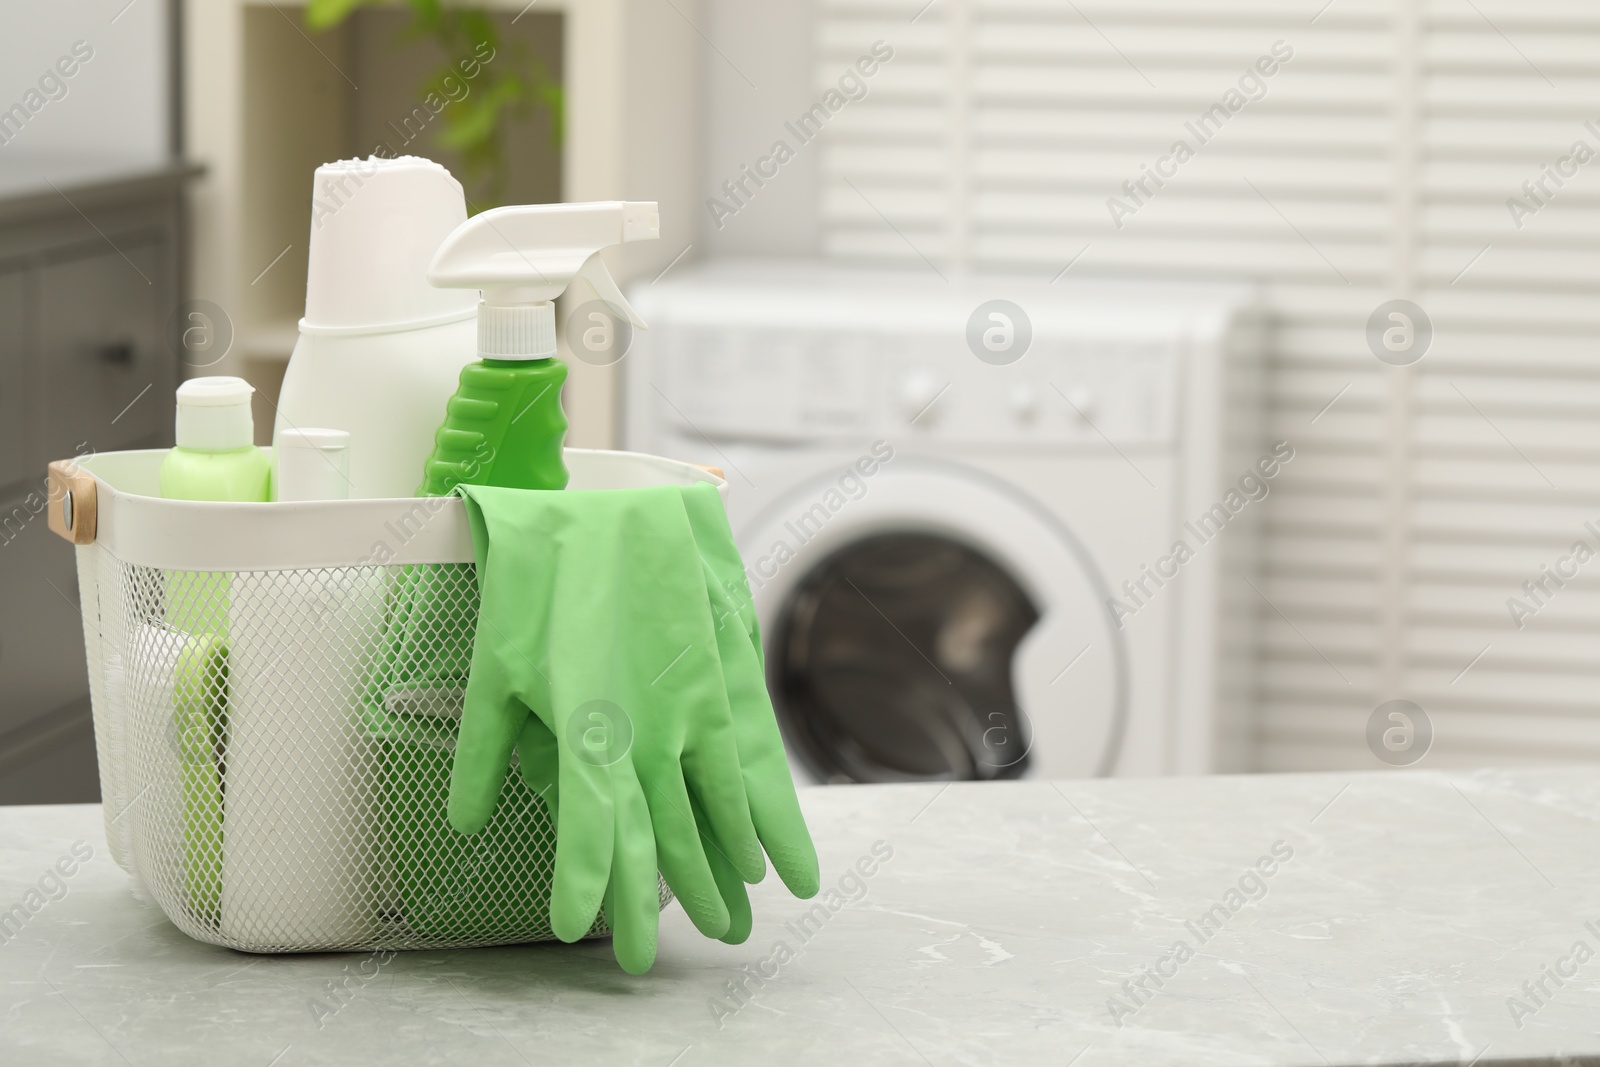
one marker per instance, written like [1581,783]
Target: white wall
[759,75]
[116,106]
[633,74]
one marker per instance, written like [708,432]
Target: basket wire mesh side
[275,753]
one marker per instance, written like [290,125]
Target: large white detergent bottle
[380,350]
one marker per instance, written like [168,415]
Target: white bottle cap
[214,414]
[516,331]
[313,464]
[375,225]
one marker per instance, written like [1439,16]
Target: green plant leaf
[326,14]
[475,26]
[477,119]
[509,88]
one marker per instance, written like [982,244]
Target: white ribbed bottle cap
[214,414]
[313,464]
[517,331]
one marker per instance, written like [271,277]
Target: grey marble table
[1298,919]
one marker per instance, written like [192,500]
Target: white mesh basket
[276,692]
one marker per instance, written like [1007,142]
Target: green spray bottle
[505,426]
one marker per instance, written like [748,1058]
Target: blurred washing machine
[956,502]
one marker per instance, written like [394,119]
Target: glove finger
[735,897]
[585,839]
[633,900]
[711,768]
[490,721]
[769,789]
[540,762]
[681,852]
[775,808]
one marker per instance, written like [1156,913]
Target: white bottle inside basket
[299,869]
[311,464]
[380,349]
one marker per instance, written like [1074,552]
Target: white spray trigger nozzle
[605,290]
[523,257]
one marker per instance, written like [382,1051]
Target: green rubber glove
[598,658]
[764,768]
[769,789]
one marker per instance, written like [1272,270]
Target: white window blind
[1376,165]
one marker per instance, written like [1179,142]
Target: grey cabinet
[108,378]
[19,411]
[41,631]
[89,275]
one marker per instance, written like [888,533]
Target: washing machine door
[936,624]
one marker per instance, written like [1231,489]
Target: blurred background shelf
[280,99]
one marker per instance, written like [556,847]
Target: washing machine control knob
[917,393]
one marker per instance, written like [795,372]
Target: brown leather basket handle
[73,508]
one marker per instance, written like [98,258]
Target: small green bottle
[504,426]
[216,457]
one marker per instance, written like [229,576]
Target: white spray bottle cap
[214,414]
[523,257]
